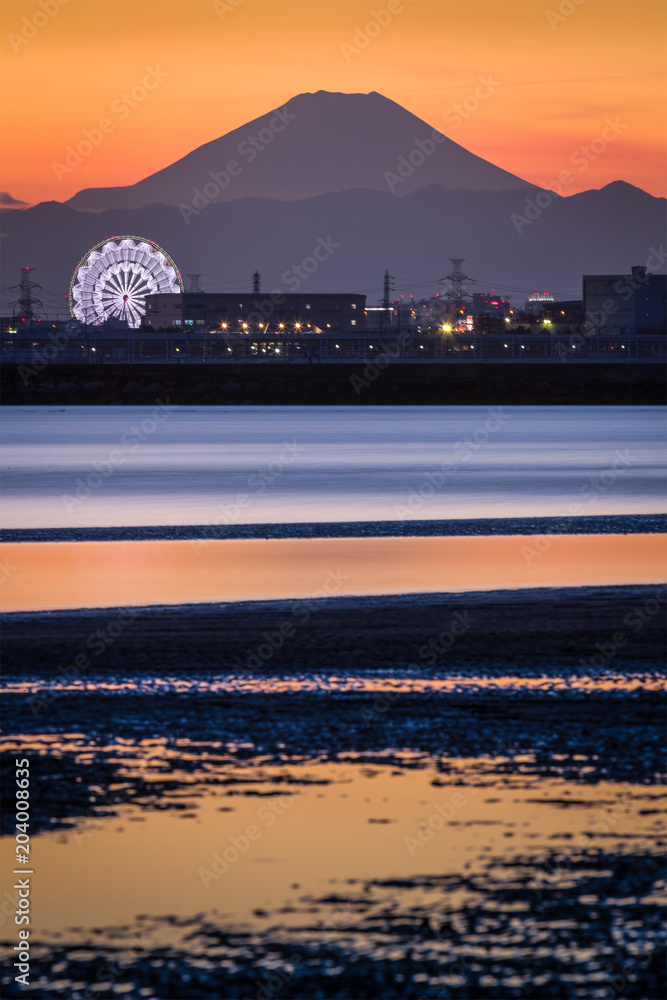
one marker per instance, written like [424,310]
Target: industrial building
[625,303]
[489,305]
[273,313]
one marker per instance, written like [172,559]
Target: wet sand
[578,524]
[533,718]
[533,631]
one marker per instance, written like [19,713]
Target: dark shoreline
[361,384]
[623,524]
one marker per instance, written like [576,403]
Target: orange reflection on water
[57,575]
[331,824]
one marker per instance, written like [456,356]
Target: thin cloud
[8,201]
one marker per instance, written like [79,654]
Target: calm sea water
[102,466]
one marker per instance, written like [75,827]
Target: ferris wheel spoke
[114,278]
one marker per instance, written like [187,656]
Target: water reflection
[88,466]
[404,868]
[53,575]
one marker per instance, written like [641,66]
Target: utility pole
[194,282]
[25,300]
[386,299]
[256,283]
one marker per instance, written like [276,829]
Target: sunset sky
[557,78]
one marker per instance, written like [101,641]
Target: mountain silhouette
[315,144]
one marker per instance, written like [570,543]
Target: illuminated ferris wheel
[114,278]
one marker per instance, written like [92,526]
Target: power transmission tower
[25,302]
[385,321]
[456,278]
[256,283]
[194,282]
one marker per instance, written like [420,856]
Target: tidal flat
[420,796]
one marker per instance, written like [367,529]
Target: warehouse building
[275,313]
[625,303]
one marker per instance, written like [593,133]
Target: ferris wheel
[114,278]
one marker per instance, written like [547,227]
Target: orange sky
[228,61]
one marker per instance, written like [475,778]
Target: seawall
[355,384]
